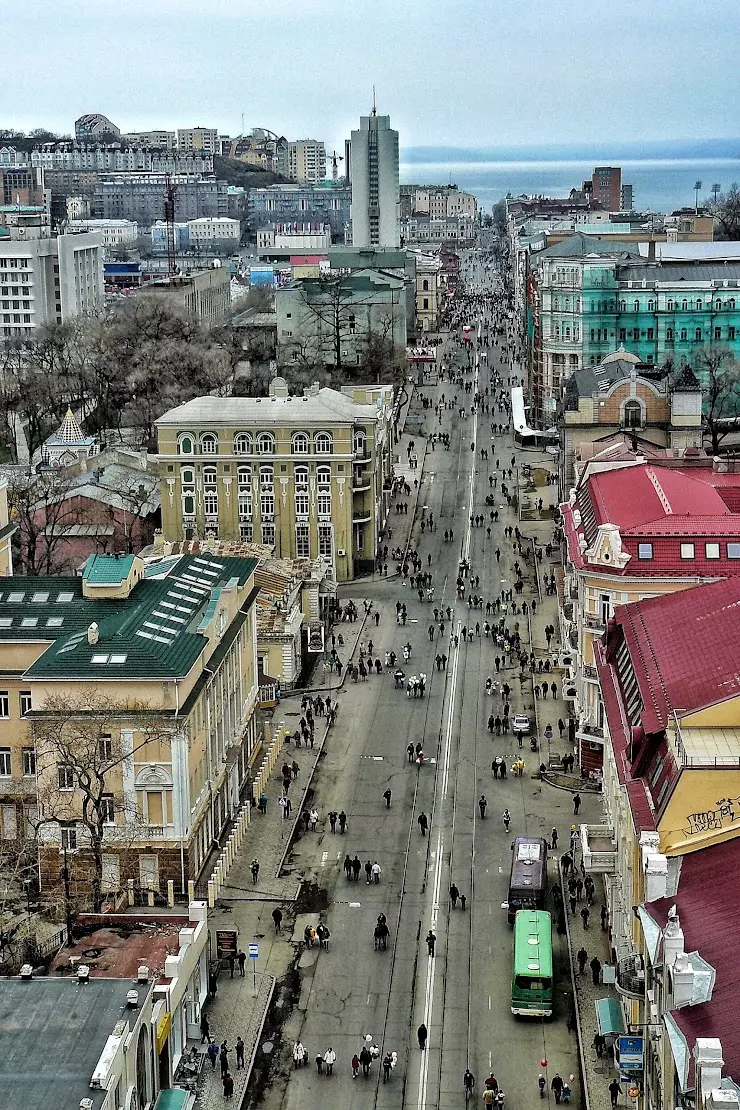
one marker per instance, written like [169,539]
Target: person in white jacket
[330,1057]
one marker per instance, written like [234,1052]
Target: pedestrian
[582,960]
[614,1091]
[554,840]
[482,804]
[205,1030]
[212,1051]
[387,796]
[454,895]
[223,1057]
[298,1051]
[595,966]
[368,872]
[431,942]
[356,867]
[557,1087]
[242,958]
[576,803]
[231,967]
[342,821]
[319,1064]
[376,872]
[355,1066]
[277,917]
[333,816]
[599,1043]
[463,900]
[423,823]
[421,1034]
[228,1081]
[330,1058]
[240,1053]
[365,1061]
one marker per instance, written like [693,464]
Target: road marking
[354,905]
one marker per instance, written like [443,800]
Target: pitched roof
[327,406]
[684,648]
[156,632]
[69,434]
[581,246]
[709,909]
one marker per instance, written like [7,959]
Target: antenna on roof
[375,110]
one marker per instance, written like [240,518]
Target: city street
[462,993]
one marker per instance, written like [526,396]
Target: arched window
[323,475]
[322,443]
[359,441]
[651,306]
[731,304]
[718,305]
[244,476]
[637,306]
[266,477]
[265,443]
[210,476]
[555,304]
[208,444]
[425,285]
[684,305]
[567,333]
[187,477]
[622,306]
[669,333]
[300,443]
[243,444]
[698,305]
[669,306]
[185,444]
[300,475]
[684,335]
[632,414]
[697,335]
[567,304]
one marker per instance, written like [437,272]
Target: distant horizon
[603,152]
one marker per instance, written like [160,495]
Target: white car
[520,723]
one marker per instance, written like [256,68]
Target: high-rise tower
[372,169]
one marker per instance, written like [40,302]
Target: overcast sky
[448,72]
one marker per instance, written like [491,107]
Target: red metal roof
[684,648]
[709,909]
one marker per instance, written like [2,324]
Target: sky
[469,73]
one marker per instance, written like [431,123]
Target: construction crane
[335,159]
[170,189]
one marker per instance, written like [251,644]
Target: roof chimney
[93,634]
[682,981]
[673,939]
[708,1062]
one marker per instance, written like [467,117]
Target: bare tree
[719,374]
[726,211]
[42,508]
[80,753]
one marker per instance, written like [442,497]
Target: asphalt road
[462,994]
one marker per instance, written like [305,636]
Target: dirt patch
[312,898]
[275,1064]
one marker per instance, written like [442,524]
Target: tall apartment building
[308,476]
[140,197]
[47,279]
[605,187]
[198,138]
[21,185]
[307,160]
[94,125]
[372,161]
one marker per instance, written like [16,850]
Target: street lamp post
[697,187]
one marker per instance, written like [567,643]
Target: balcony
[361,482]
[362,516]
[599,849]
[590,732]
[594,623]
[589,670]
[630,977]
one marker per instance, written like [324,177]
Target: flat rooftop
[52,1033]
[119,951]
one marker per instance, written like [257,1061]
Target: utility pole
[697,187]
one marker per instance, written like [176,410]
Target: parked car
[520,723]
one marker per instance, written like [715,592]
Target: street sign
[629,1054]
[254,951]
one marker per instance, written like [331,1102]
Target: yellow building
[428,285]
[132,690]
[670,846]
[307,476]
[638,525]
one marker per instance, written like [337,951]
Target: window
[669,333]
[425,303]
[265,443]
[24,700]
[4,704]
[684,306]
[210,503]
[5,765]
[208,444]
[268,534]
[322,443]
[718,304]
[267,506]
[622,306]
[210,476]
[326,541]
[185,444]
[645,551]
[698,306]
[105,749]
[266,477]
[302,544]
[243,444]
[245,504]
[687,551]
[669,306]
[622,335]
[301,502]
[244,476]
[711,550]
[187,476]
[65,777]
[650,333]
[632,414]
[359,442]
[246,532]
[730,333]
[733,551]
[684,335]
[29,762]
[300,444]
[68,833]
[637,306]
[108,809]
[651,306]
[697,335]
[731,304]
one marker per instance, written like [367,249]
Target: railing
[590,732]
[630,977]
[590,620]
[589,670]
[361,481]
[599,849]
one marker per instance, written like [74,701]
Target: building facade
[327,203]
[47,279]
[209,230]
[428,291]
[298,237]
[114,233]
[198,138]
[21,185]
[140,197]
[99,157]
[94,125]
[307,476]
[307,160]
[372,160]
[160,140]
[203,295]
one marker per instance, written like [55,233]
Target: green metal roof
[107,570]
[157,632]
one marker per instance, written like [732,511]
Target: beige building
[428,285]
[307,476]
[307,160]
[204,295]
[198,138]
[146,676]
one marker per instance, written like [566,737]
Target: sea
[660,184]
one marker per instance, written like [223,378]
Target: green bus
[531,981]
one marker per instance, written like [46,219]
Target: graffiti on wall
[725,813]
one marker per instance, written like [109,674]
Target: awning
[172,1099]
[679,1051]
[609,1017]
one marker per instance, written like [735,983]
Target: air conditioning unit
[142,975]
[132,998]
[83,973]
